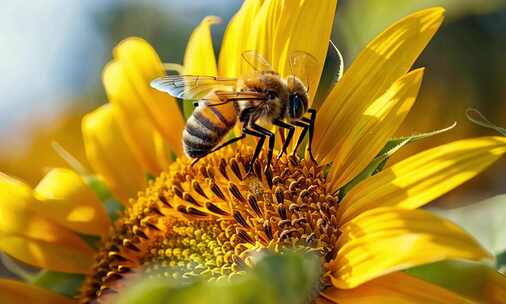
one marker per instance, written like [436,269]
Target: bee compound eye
[296,105]
[271,95]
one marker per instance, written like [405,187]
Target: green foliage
[469,279]
[112,206]
[291,277]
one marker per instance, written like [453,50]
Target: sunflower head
[210,220]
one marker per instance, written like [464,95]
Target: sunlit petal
[376,125]
[199,56]
[298,33]
[109,154]
[376,68]
[66,199]
[388,239]
[136,126]
[235,38]
[142,65]
[421,178]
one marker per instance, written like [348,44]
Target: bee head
[297,98]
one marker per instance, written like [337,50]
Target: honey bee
[254,99]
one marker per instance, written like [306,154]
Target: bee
[255,99]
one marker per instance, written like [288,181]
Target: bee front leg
[258,148]
[308,125]
[272,138]
[291,131]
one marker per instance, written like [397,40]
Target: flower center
[208,219]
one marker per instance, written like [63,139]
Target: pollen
[208,221]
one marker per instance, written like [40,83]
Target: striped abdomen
[206,127]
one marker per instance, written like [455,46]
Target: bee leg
[229,142]
[311,122]
[258,147]
[291,131]
[308,125]
[272,138]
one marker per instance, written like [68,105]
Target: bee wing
[227,96]
[256,61]
[192,87]
[303,65]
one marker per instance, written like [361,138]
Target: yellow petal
[307,29]
[16,292]
[376,68]
[388,239]
[376,125]
[394,288]
[67,200]
[136,126]
[142,65]
[423,177]
[199,56]
[235,38]
[109,154]
[34,239]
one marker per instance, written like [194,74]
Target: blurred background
[53,52]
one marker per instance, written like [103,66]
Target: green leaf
[472,280]
[291,277]
[66,284]
[484,220]
[478,118]
[112,205]
[392,146]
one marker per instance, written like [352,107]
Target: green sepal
[111,204]
[500,260]
[379,162]
[481,120]
[66,284]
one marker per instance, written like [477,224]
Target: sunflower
[207,220]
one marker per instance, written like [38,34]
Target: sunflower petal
[142,64]
[383,61]
[67,200]
[199,56]
[109,154]
[384,240]
[377,124]
[17,292]
[297,33]
[136,126]
[235,38]
[30,237]
[394,288]
[421,178]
